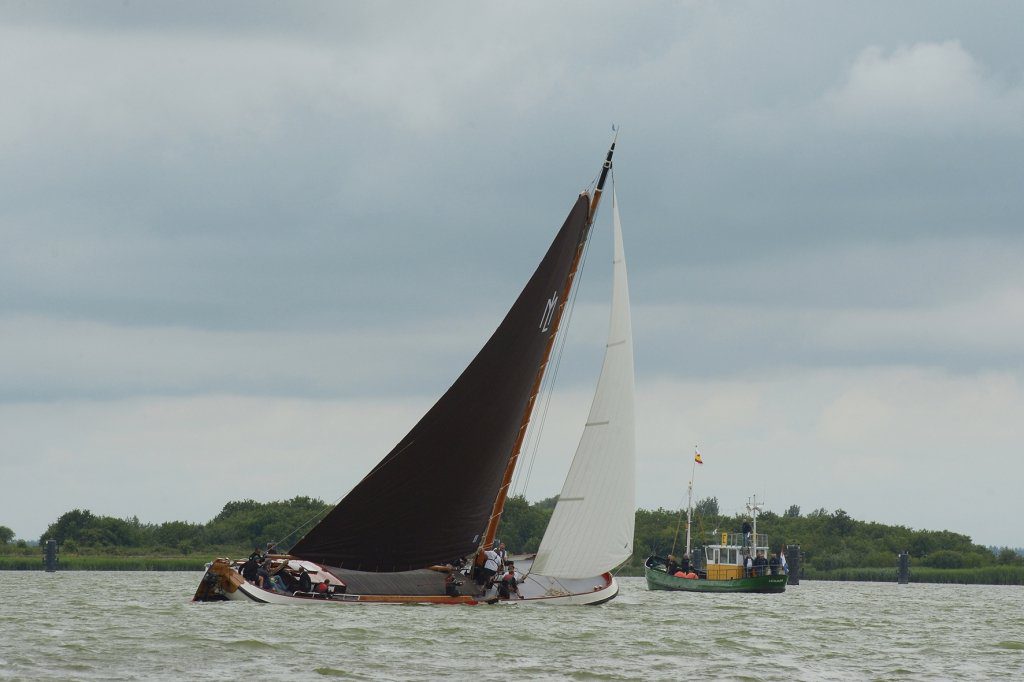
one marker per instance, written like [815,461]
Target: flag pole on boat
[689,503]
[689,495]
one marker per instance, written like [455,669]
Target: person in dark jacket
[263,575]
[508,585]
[451,584]
[760,563]
[250,568]
[774,565]
[305,582]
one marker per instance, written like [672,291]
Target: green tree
[708,507]
[840,523]
[828,540]
[6,535]
[253,524]
[68,526]
[944,558]
[523,524]
[177,533]
[655,532]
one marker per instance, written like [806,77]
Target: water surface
[103,625]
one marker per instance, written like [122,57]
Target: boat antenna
[753,509]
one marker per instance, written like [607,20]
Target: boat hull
[222,582]
[542,589]
[765,584]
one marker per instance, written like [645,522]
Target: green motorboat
[726,567]
[659,579]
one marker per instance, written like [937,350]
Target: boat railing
[739,540]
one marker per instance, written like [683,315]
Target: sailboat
[417,524]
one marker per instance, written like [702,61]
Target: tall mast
[499,501]
[754,510]
[689,506]
[689,503]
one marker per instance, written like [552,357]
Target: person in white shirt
[502,556]
[489,568]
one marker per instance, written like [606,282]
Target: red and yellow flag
[696,457]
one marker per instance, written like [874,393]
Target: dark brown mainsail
[429,500]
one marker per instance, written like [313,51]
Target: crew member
[508,585]
[487,571]
[760,563]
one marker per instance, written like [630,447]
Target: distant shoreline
[989,575]
[105,563]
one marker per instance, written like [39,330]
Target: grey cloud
[243,199]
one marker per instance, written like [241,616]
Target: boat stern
[219,582]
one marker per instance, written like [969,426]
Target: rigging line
[558,361]
[334,504]
[532,444]
[535,436]
[548,391]
[675,538]
[309,520]
[281,541]
[553,579]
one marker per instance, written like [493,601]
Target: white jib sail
[591,529]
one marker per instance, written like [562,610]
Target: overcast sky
[246,245]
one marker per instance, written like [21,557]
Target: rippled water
[91,625]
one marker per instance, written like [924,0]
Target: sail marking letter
[549,312]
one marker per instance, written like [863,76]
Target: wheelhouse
[725,561]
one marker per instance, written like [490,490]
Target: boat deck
[545,587]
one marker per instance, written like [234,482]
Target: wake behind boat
[418,526]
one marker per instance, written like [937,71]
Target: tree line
[828,540]
[240,526]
